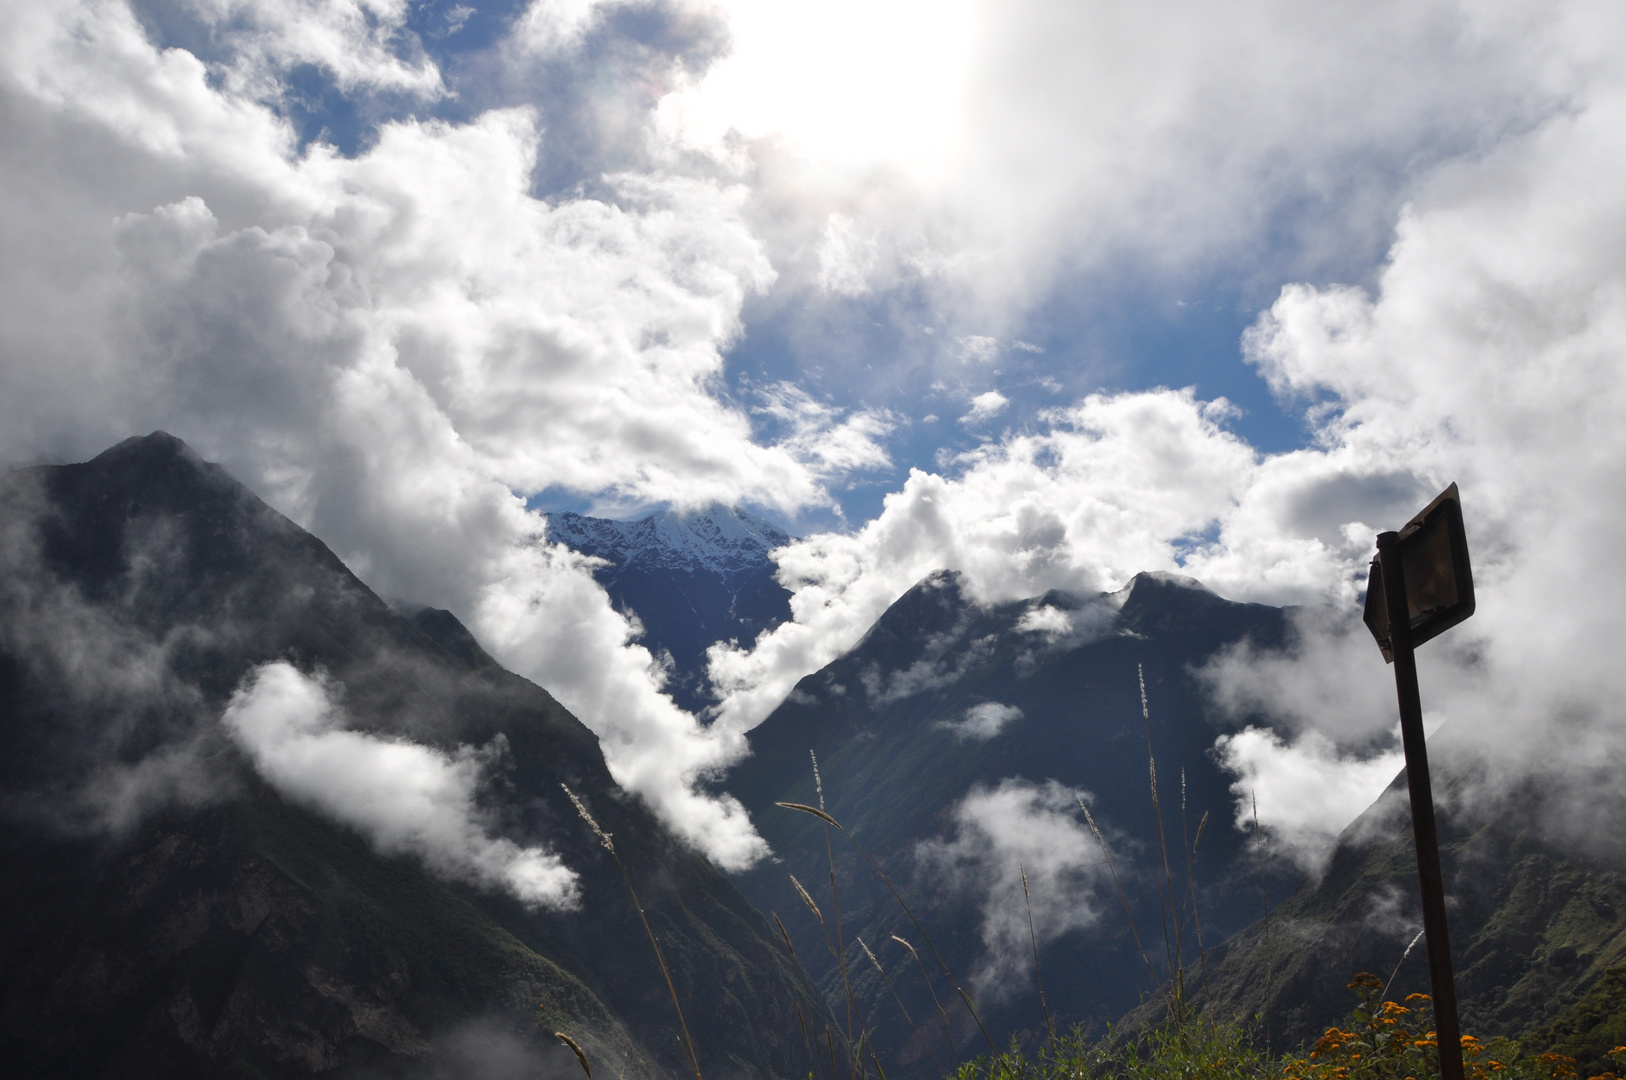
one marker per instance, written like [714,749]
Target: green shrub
[1380,1040]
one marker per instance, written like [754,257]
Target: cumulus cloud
[404,797]
[392,348]
[1487,353]
[544,609]
[1306,791]
[985,406]
[1489,356]
[254,45]
[549,27]
[1062,629]
[1106,491]
[988,147]
[982,721]
[999,832]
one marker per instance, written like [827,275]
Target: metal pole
[1447,1034]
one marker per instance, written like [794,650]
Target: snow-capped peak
[722,539]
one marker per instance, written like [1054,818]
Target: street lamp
[1421,585]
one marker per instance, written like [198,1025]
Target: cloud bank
[999,833]
[982,722]
[407,799]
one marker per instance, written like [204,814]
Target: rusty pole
[1448,1035]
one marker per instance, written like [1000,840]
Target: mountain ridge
[722,539]
[690,580]
[228,927]
[953,741]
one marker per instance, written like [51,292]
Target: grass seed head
[581,1055]
[1094,828]
[808,900]
[604,837]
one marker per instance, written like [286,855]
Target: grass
[1380,1040]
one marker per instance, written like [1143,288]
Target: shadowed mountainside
[1537,926]
[168,914]
[944,700]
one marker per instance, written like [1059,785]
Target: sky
[1048,293]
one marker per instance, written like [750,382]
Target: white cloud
[1307,791]
[1323,680]
[979,348]
[997,833]
[548,27]
[988,147]
[846,257]
[387,347]
[404,797]
[982,722]
[1083,506]
[354,41]
[985,406]
[543,609]
[1050,621]
[829,444]
[1489,354]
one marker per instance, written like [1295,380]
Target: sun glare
[852,84]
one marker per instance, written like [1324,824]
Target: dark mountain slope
[169,915]
[883,722]
[1536,924]
[692,580]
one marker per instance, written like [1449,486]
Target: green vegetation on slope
[1380,1039]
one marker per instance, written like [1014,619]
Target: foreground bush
[1381,1040]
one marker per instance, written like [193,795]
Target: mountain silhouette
[1016,708]
[169,914]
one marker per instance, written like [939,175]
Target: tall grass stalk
[1264,899]
[828,944]
[807,1041]
[791,949]
[926,977]
[1033,937]
[1396,971]
[924,1045]
[1191,876]
[687,1042]
[1129,915]
[1167,907]
[575,1047]
[841,944]
[904,904]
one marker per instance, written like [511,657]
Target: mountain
[1537,927]
[952,742]
[169,912]
[692,579]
